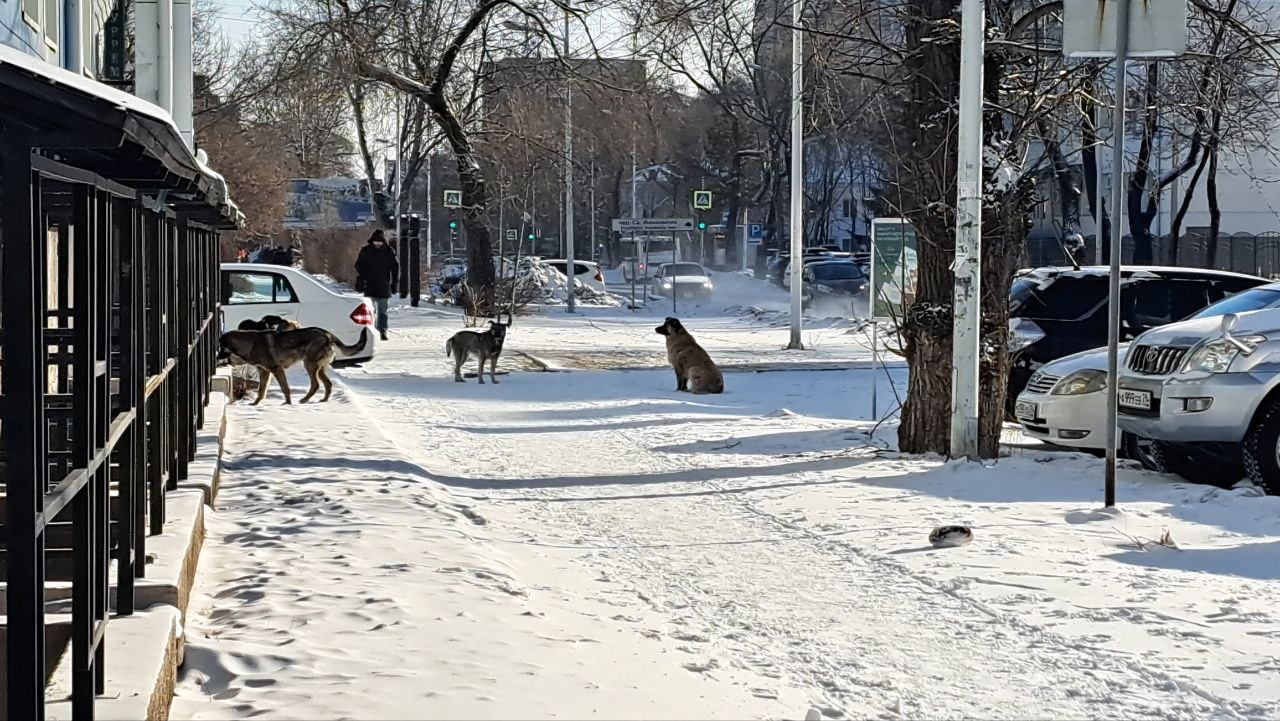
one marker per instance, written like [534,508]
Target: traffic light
[530,236]
[702,225]
[453,225]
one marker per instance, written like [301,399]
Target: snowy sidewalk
[340,582]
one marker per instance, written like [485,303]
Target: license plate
[1025,410]
[1140,400]
[686,294]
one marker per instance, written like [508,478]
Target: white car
[584,271]
[1063,402]
[684,280]
[252,290]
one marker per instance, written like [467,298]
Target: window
[241,288]
[837,271]
[52,21]
[846,207]
[581,269]
[677,269]
[1255,299]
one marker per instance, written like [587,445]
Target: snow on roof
[125,101]
[88,86]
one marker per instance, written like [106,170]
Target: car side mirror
[1229,323]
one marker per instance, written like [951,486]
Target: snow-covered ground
[589,543]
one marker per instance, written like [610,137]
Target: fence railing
[109,341]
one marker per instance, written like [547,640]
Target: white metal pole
[967,318]
[1117,201]
[568,169]
[742,256]
[400,238]
[430,202]
[797,169]
[1097,188]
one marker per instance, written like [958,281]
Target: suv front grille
[1042,383]
[1155,360]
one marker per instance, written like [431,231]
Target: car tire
[1261,448]
[1162,457]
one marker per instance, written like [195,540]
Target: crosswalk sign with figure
[702,199]
[453,198]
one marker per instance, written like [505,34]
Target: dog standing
[695,371]
[486,344]
[273,352]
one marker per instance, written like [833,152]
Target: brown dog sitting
[695,371]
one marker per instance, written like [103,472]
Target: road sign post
[1122,30]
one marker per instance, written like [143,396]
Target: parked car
[585,272]
[1063,402]
[252,290]
[1207,392]
[685,280]
[1057,312]
[832,279]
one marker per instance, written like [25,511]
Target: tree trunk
[1215,212]
[381,210]
[1089,137]
[1175,232]
[928,177]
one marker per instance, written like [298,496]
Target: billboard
[893,267]
[327,203]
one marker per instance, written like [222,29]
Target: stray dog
[269,322]
[487,345]
[695,371]
[272,352]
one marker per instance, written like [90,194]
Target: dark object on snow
[950,536]
[377,267]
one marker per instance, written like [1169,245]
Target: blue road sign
[755,232]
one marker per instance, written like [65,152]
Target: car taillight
[599,276]
[362,315]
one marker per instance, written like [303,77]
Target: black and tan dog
[695,371]
[269,322]
[273,352]
[486,345]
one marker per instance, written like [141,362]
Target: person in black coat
[376,273]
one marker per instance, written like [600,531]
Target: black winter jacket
[376,271]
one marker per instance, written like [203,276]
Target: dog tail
[354,347]
[448,348]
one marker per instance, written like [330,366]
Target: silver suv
[1207,391]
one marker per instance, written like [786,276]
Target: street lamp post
[568,168]
[797,170]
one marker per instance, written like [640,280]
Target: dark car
[1056,312]
[776,271]
[832,279]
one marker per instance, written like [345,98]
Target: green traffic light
[702,226]
[531,236]
[453,224]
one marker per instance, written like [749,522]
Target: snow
[590,543]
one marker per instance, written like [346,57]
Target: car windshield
[1060,298]
[1242,302]
[836,271]
[685,269]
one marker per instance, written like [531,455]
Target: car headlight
[707,285]
[666,284]
[1090,380]
[823,288]
[1216,356]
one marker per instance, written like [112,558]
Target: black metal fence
[108,297]
[1254,254]
[109,343]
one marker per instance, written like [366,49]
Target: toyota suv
[1207,392]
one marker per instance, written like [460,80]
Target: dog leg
[459,357]
[283,380]
[264,380]
[493,369]
[328,384]
[679,381]
[480,371]
[312,372]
